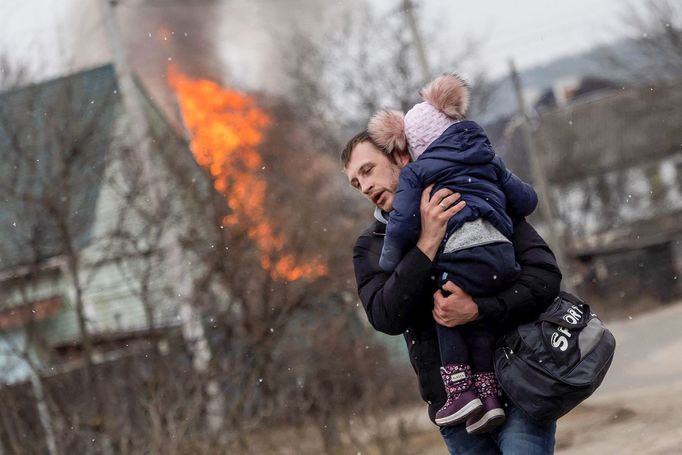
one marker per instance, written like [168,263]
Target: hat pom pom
[449,94]
[387,129]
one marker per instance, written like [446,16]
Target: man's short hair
[362,136]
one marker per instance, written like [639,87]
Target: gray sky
[530,31]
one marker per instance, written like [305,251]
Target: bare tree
[277,263]
[653,50]
[55,155]
[366,63]
[77,210]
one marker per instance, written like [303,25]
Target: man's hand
[456,309]
[435,213]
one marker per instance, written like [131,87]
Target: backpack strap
[562,313]
[571,298]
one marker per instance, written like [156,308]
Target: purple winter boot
[462,399]
[491,415]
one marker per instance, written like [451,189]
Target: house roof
[54,139]
[622,129]
[664,228]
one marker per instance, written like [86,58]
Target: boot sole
[462,414]
[488,422]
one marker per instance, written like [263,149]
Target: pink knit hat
[423,125]
[446,100]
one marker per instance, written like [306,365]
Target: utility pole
[547,211]
[417,39]
[191,324]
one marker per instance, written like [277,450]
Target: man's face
[374,174]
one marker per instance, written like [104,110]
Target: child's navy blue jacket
[463,160]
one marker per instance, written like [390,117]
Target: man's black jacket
[401,302]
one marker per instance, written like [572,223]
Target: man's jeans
[517,436]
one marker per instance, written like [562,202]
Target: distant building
[572,89]
[75,190]
[613,157]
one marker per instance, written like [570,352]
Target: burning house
[102,237]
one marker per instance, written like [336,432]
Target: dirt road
[638,409]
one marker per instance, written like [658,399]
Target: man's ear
[402,157]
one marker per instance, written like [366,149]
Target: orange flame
[226,128]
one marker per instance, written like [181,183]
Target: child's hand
[456,308]
[435,213]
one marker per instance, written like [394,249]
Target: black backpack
[547,367]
